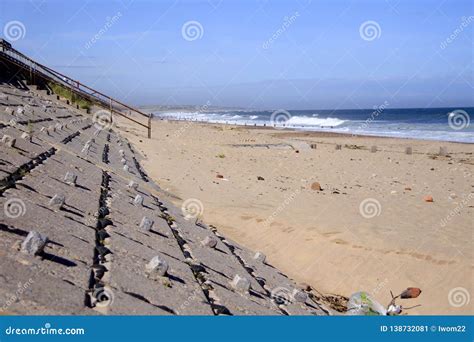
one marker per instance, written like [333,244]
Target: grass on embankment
[71,96]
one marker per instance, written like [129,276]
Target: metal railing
[35,69]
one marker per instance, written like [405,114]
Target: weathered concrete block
[132,185]
[259,257]
[26,136]
[138,200]
[241,284]
[408,150]
[443,151]
[8,140]
[157,265]
[34,243]
[122,153]
[57,201]
[299,296]
[209,241]
[126,168]
[146,223]
[70,178]
[86,148]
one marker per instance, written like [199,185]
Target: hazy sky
[259,54]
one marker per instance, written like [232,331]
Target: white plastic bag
[362,303]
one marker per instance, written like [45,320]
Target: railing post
[111,120]
[149,126]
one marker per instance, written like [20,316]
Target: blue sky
[246,56]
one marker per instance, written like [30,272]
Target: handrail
[75,86]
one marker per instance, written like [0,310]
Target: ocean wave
[314,121]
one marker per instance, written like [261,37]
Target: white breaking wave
[314,121]
[333,124]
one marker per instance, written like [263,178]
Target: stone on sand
[316,186]
[428,198]
[443,151]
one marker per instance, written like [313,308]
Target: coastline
[320,237]
[309,133]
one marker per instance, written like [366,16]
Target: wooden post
[149,126]
[111,120]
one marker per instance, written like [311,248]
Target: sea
[445,124]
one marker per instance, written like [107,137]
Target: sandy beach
[368,227]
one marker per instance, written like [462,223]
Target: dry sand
[321,237]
